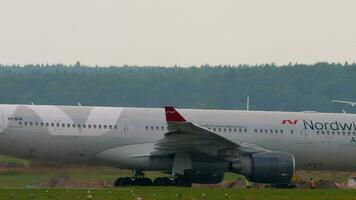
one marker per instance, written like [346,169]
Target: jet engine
[266,167]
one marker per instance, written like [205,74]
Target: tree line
[293,87]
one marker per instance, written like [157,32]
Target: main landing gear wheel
[183,181]
[118,182]
[162,181]
[126,181]
[142,182]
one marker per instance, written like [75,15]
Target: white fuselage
[75,134]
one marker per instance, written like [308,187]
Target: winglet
[172,115]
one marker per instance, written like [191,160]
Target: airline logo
[333,125]
[289,122]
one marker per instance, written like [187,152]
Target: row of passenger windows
[222,129]
[219,129]
[68,125]
[271,131]
[156,128]
[334,133]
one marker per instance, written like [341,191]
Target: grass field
[23,180]
[161,193]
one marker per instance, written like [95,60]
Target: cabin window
[245,130]
[271,131]
[63,125]
[68,125]
[99,126]
[94,126]
[31,123]
[224,129]
[78,125]
[36,123]
[276,131]
[105,126]
[219,129]
[110,126]
[89,126]
[20,123]
[162,128]
[291,131]
[115,127]
[42,124]
[47,124]
[73,125]
[84,126]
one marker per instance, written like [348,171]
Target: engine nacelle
[266,167]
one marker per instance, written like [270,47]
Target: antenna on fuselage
[79,104]
[32,103]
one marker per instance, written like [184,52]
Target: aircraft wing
[187,137]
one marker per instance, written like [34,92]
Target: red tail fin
[172,115]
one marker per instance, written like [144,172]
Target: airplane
[190,145]
[351,103]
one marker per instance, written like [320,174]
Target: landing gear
[139,179]
[183,181]
[118,182]
[162,181]
[142,182]
[124,181]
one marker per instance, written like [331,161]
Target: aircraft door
[2,128]
[303,135]
[125,126]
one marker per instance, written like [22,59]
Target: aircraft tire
[162,181]
[142,182]
[126,181]
[183,181]
[118,182]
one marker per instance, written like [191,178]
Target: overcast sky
[182,32]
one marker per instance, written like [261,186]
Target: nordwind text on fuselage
[333,125]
